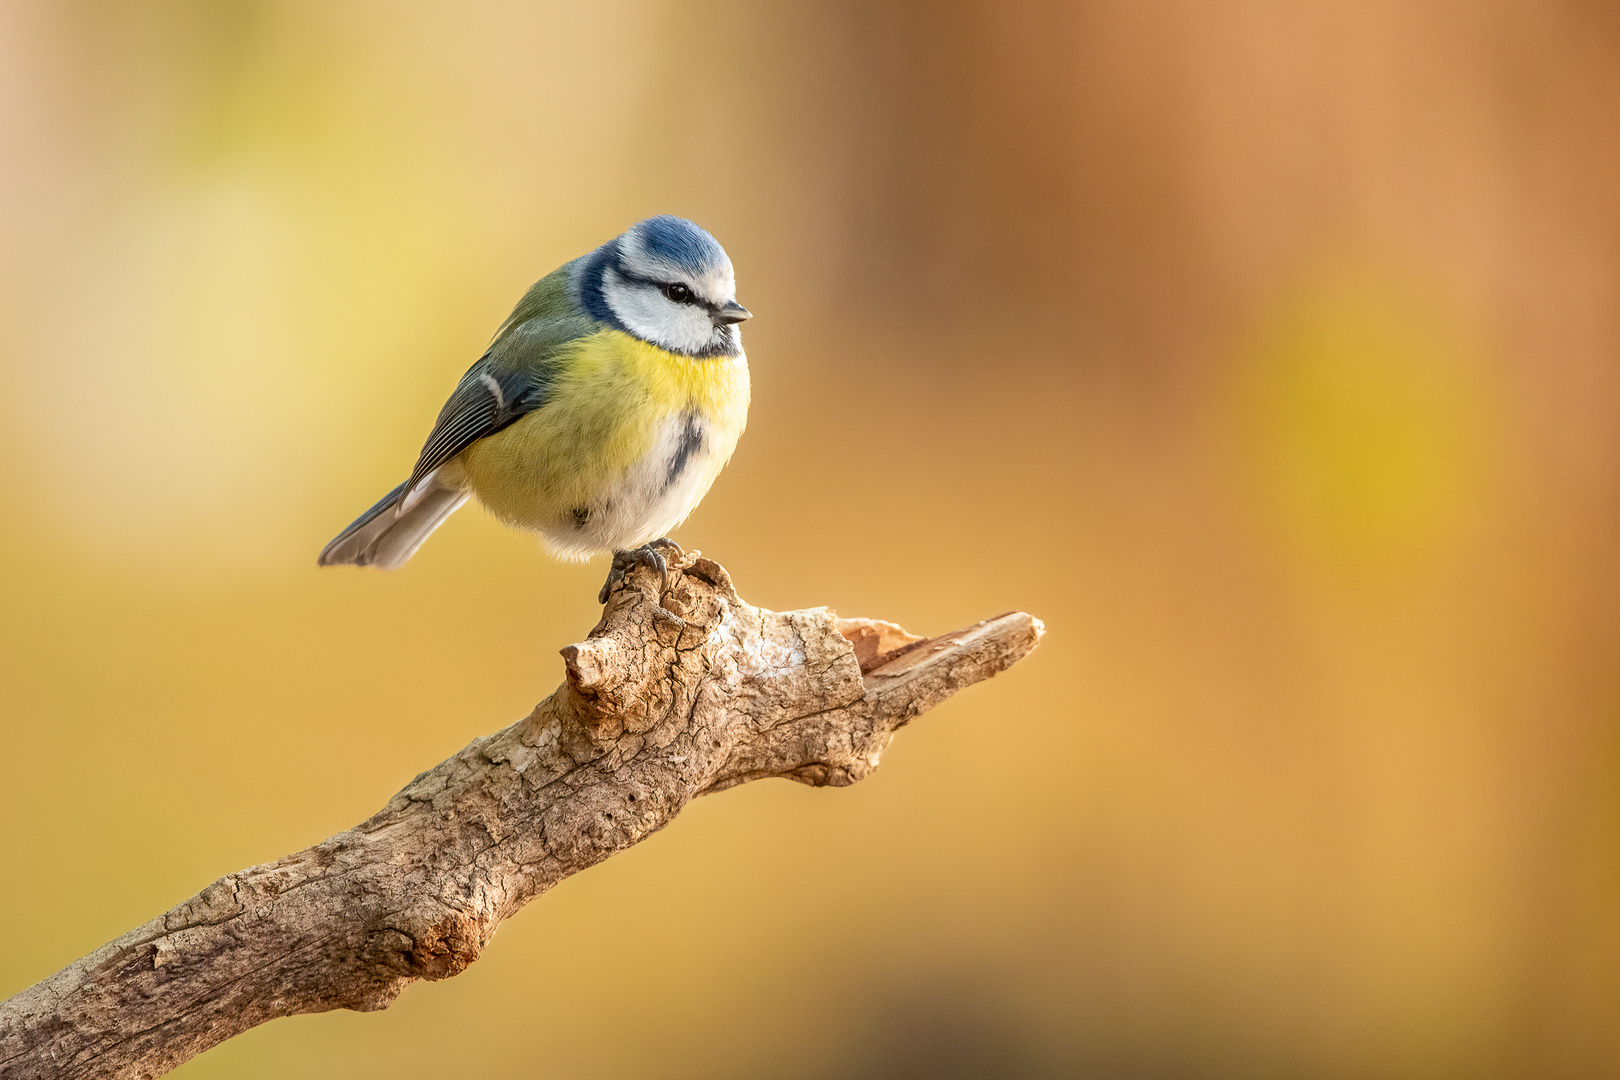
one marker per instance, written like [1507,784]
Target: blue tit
[606,405]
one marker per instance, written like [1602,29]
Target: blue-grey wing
[485,401]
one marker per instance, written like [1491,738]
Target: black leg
[645,555]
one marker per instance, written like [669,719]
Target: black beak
[731,312]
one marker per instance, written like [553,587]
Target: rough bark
[667,699]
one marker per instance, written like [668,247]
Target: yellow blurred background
[1265,349]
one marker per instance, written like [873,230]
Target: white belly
[652,496]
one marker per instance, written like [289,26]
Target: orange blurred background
[1266,350]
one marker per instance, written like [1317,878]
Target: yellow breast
[595,467]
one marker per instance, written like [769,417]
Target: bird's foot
[646,555]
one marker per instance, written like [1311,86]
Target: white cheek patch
[654,317]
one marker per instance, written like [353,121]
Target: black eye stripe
[663,286]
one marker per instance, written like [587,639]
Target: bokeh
[1267,350]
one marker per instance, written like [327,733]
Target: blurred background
[1264,349]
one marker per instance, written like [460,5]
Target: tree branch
[663,702]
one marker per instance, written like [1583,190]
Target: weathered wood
[663,702]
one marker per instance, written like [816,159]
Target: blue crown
[680,243]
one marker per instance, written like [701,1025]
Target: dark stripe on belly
[691,442]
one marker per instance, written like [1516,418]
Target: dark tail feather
[386,535]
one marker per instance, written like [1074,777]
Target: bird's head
[668,282]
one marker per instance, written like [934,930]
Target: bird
[604,408]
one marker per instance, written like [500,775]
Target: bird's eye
[678,292]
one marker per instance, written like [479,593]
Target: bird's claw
[645,555]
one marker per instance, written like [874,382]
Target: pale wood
[663,702]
